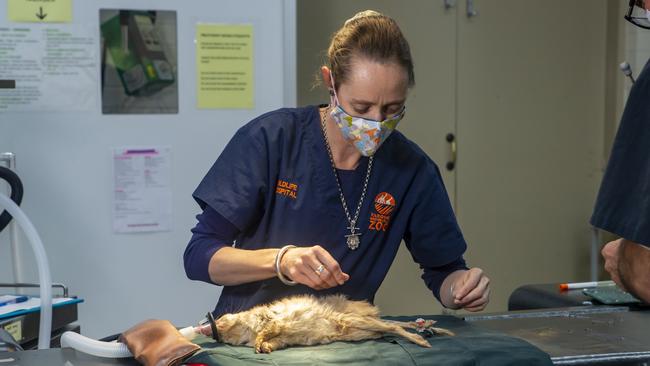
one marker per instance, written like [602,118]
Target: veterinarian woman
[317,199]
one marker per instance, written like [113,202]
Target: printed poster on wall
[142,194]
[53,67]
[224,66]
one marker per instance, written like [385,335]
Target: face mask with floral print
[366,135]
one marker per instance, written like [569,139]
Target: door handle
[449,4]
[451,139]
[471,9]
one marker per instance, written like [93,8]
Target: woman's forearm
[231,266]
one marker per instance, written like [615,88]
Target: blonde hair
[372,35]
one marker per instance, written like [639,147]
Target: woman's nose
[378,116]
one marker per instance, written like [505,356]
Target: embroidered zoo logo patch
[384,205]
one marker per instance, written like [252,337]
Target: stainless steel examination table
[587,335]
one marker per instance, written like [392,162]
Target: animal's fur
[308,320]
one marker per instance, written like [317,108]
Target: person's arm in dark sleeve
[211,233]
[210,256]
[433,236]
[236,187]
[434,239]
[435,276]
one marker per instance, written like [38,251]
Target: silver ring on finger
[320,269]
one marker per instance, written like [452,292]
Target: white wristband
[278,272]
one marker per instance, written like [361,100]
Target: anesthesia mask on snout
[366,135]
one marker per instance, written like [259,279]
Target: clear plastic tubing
[93,347]
[116,349]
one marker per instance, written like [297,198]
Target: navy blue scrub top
[274,182]
[623,204]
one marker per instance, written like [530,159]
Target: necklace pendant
[353,241]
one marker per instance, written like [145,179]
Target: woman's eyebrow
[361,101]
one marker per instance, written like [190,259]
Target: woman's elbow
[191,262]
[187,264]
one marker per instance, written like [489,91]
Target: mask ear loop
[335,100]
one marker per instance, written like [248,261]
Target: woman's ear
[327,79]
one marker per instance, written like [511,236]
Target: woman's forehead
[370,77]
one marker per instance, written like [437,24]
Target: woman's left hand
[471,290]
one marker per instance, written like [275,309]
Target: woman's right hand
[301,264]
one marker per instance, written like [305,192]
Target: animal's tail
[384,327]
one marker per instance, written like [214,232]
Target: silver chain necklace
[352,239]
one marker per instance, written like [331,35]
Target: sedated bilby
[308,320]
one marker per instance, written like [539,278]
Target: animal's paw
[263,347]
[422,323]
[429,322]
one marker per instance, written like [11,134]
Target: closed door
[531,92]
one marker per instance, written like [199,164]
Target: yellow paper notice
[15,329]
[40,11]
[224,66]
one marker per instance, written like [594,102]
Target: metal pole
[595,245]
[16,254]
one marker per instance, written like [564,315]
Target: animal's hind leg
[372,324]
[411,324]
[427,324]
